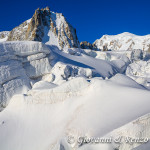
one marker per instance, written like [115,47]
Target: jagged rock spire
[45,24]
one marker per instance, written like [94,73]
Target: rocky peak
[47,27]
[40,19]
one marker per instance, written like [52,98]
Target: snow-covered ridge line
[123,41]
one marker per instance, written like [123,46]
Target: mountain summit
[47,27]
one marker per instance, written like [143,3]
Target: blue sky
[91,18]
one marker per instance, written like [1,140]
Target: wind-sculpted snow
[84,109]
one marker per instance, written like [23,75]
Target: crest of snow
[25,48]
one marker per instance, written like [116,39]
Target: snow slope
[42,120]
[124,41]
[71,92]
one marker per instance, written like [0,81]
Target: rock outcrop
[87,45]
[47,27]
[4,36]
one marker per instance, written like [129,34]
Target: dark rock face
[87,45]
[45,23]
[105,48]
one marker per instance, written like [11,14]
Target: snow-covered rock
[4,36]
[124,41]
[87,45]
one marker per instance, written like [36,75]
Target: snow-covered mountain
[123,41]
[47,27]
[54,90]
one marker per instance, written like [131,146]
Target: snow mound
[53,93]
[125,81]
